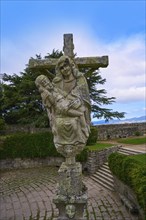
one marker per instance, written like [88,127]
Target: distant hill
[130,120]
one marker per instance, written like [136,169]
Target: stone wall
[104,132]
[11,129]
[97,158]
[29,163]
[128,197]
[113,131]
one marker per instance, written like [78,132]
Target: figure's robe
[71,130]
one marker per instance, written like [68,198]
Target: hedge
[37,145]
[28,146]
[132,173]
[93,136]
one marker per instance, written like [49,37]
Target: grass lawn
[140,158]
[99,146]
[134,141]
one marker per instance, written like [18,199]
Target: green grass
[99,146]
[140,158]
[133,141]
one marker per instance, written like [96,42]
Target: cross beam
[92,62]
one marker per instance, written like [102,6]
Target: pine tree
[22,104]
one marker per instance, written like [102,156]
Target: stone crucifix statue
[68,106]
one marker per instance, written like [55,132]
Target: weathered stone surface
[68,106]
[92,62]
[70,180]
[47,63]
[18,163]
[113,131]
[127,195]
[81,62]
[68,45]
[97,158]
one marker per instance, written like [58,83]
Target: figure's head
[64,66]
[65,62]
[43,81]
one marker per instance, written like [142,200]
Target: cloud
[131,94]
[125,75]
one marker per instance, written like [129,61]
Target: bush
[137,133]
[82,157]
[38,145]
[132,173]
[28,146]
[2,126]
[93,136]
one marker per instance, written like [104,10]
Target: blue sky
[114,28]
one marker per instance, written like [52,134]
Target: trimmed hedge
[132,173]
[28,146]
[37,145]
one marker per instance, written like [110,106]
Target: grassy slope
[134,141]
[99,146]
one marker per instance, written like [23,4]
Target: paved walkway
[27,195]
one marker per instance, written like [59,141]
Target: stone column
[71,195]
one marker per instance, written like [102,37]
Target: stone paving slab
[26,194]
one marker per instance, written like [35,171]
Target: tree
[22,104]
[98,96]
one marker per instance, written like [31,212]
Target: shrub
[137,133]
[93,136]
[2,126]
[26,145]
[82,157]
[132,173]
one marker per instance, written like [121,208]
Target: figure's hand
[75,104]
[45,94]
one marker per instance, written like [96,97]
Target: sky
[100,27]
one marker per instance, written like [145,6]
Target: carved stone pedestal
[71,195]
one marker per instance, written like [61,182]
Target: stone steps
[104,177]
[128,151]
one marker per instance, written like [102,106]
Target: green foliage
[28,146]
[93,136]
[133,141]
[137,133]
[99,146]
[21,102]
[139,157]
[2,124]
[98,96]
[82,157]
[132,172]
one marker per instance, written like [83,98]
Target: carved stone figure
[67,101]
[68,105]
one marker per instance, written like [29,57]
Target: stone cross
[81,62]
[69,113]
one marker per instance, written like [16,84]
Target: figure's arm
[47,98]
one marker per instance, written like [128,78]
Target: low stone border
[128,197]
[97,158]
[94,161]
[29,163]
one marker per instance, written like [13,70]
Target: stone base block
[71,208]
[70,180]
